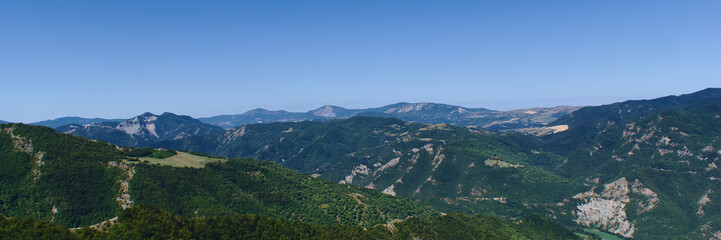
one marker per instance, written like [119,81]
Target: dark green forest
[145,222]
[55,183]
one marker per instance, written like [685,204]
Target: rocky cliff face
[607,210]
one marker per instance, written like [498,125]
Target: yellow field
[182,159]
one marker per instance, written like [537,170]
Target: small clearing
[500,164]
[182,159]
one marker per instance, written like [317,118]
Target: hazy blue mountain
[260,115]
[477,117]
[1,121]
[414,112]
[142,130]
[54,123]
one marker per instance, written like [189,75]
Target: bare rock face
[325,111]
[607,210]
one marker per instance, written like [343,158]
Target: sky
[118,59]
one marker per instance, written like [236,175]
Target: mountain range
[54,123]
[147,129]
[643,168]
[53,181]
[142,130]
[412,112]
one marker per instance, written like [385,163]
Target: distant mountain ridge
[54,123]
[432,113]
[142,130]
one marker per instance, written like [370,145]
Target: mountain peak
[147,114]
[328,111]
[256,111]
[404,107]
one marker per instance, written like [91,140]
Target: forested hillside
[55,181]
[652,175]
[151,223]
[51,176]
[644,169]
[448,167]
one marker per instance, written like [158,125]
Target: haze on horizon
[117,59]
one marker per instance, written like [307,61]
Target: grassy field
[182,159]
[501,164]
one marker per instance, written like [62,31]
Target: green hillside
[440,165]
[655,173]
[76,182]
[55,181]
[51,176]
[241,186]
[643,169]
[151,223]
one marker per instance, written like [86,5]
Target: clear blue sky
[117,59]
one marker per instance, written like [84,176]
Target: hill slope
[151,223]
[650,165]
[448,167]
[46,177]
[645,169]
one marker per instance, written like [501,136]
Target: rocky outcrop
[123,198]
[25,145]
[607,210]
